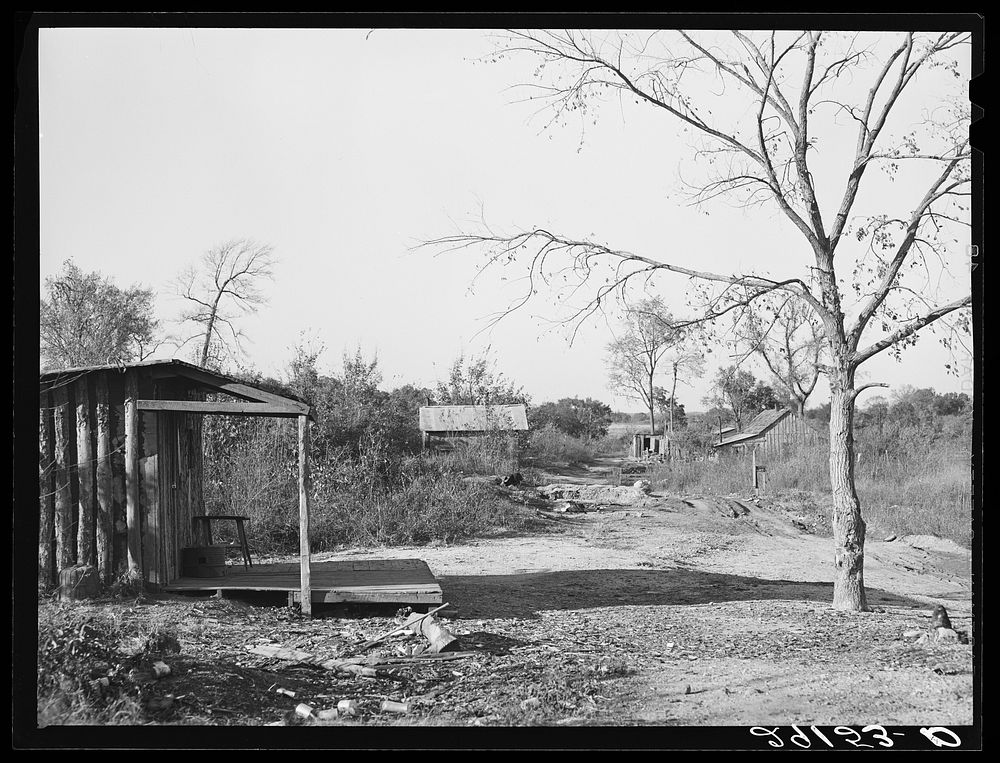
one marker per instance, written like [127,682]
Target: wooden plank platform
[403,581]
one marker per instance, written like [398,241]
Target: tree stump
[80,581]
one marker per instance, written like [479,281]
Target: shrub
[550,445]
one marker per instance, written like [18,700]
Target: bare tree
[225,283]
[788,337]
[685,360]
[634,356]
[756,102]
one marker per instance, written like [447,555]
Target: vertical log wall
[85,470]
[104,519]
[46,495]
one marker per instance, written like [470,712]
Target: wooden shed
[451,422]
[120,471]
[772,434]
[120,461]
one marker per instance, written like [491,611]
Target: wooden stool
[207,521]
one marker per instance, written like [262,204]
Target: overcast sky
[343,149]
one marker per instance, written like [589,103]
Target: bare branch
[861,356]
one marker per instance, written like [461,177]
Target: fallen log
[440,637]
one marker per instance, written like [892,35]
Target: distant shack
[772,434]
[444,424]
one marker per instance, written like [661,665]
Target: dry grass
[908,482]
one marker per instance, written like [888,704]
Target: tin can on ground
[388,706]
[347,707]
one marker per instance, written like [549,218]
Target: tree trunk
[652,407]
[208,330]
[670,439]
[848,525]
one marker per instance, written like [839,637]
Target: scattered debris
[406,626]
[440,637]
[330,714]
[890,538]
[286,692]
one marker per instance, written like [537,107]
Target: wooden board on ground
[403,581]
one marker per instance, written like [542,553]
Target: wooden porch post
[304,569]
[132,516]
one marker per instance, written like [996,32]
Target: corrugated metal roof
[473,418]
[761,423]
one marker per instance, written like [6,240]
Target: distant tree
[670,410]
[224,283]
[634,357]
[788,336]
[586,418]
[742,393]
[952,404]
[475,382]
[86,320]
[686,360]
[819,413]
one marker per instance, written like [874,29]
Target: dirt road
[721,609]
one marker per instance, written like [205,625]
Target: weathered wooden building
[448,423]
[772,434]
[121,486]
[120,463]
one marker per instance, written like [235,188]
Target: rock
[79,582]
[160,669]
[939,617]
[530,703]
[946,635]
[912,634]
[643,486]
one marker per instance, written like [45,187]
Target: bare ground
[640,610]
